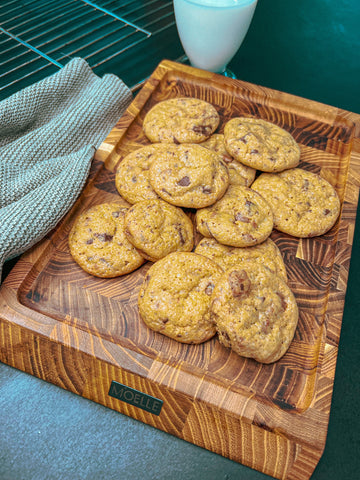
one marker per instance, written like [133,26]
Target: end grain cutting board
[84,333]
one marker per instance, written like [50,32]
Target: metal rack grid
[37,37]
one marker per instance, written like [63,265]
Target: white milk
[211,31]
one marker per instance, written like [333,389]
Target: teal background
[308,48]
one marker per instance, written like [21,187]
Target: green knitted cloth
[48,135]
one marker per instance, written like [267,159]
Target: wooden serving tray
[84,333]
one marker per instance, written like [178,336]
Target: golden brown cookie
[239,174]
[304,204]
[180,120]
[189,176]
[255,312]
[238,219]
[266,253]
[260,144]
[175,297]
[156,228]
[132,176]
[98,244]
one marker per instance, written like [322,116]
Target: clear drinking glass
[211,31]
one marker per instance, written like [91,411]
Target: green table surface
[310,48]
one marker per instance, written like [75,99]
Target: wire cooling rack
[37,37]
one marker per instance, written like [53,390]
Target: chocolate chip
[206,189]
[89,241]
[226,159]
[249,206]
[243,139]
[202,129]
[103,260]
[103,237]
[282,299]
[265,326]
[184,182]
[326,211]
[254,151]
[180,232]
[209,288]
[239,217]
[205,225]
[239,283]
[248,238]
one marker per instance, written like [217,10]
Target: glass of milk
[211,31]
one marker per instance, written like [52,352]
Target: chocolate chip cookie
[266,253]
[98,243]
[260,144]
[132,176]
[255,312]
[239,174]
[238,219]
[175,297]
[304,204]
[156,228]
[181,120]
[189,175]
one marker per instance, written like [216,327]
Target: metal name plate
[135,397]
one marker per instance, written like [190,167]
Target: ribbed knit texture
[48,135]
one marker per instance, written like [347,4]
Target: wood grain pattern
[82,332]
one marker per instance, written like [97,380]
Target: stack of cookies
[238,185]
